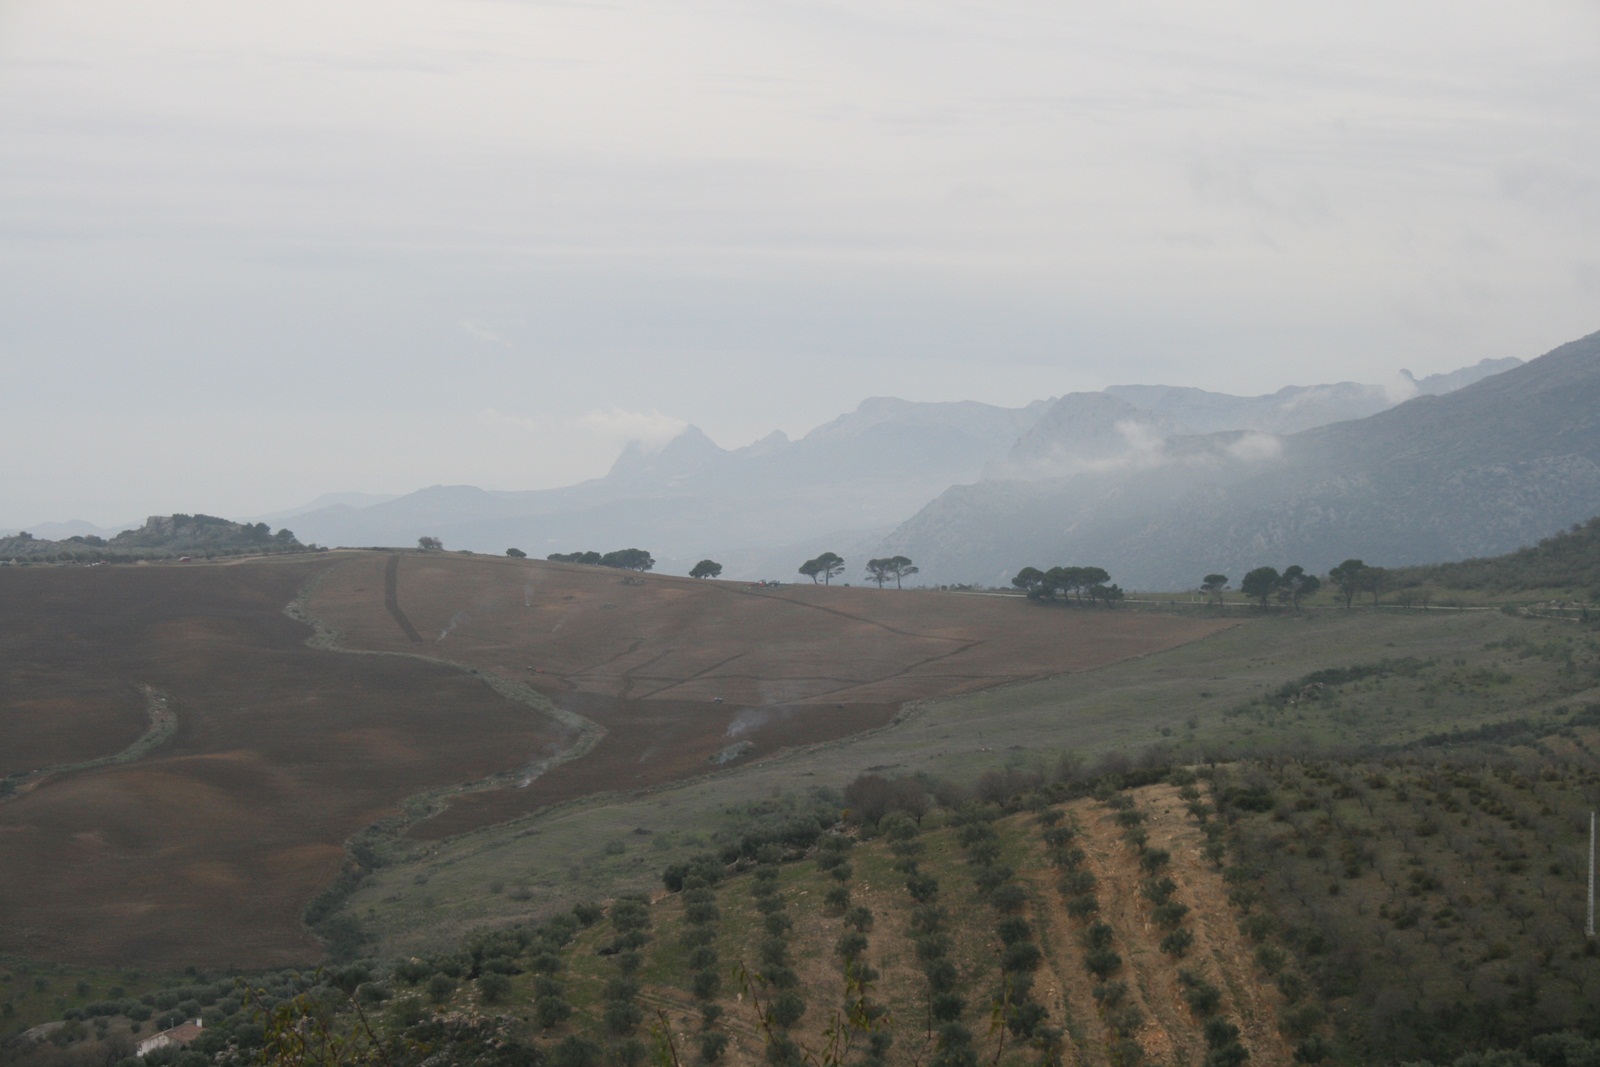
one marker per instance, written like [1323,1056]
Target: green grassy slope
[1275,911]
[1566,565]
[1201,700]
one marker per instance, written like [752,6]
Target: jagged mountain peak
[863,473]
[1438,384]
[775,442]
[1084,431]
[690,450]
[971,417]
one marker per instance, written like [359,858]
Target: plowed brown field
[683,674]
[207,848]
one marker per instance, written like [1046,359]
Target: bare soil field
[687,676]
[205,845]
[207,850]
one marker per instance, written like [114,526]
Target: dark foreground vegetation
[1419,905]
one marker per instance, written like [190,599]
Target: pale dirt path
[1061,984]
[1250,1002]
[1170,1033]
[1150,974]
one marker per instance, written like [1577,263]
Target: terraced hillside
[1096,932]
[1406,910]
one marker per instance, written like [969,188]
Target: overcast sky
[251,252]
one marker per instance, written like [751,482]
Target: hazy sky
[252,252]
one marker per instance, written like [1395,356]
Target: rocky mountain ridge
[842,487]
[1482,470]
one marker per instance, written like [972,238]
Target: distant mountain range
[1144,480]
[1483,469]
[847,486]
[849,481]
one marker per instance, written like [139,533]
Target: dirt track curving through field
[688,677]
[391,599]
[207,847]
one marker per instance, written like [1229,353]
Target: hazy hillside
[1483,470]
[1568,562]
[844,486]
[1084,432]
[858,475]
[1295,408]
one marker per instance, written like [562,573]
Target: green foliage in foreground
[1432,897]
[1436,897]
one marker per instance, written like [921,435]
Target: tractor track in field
[391,599]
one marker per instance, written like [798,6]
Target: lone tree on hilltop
[1296,584]
[1260,584]
[896,567]
[832,567]
[1373,581]
[1212,586]
[430,544]
[828,565]
[516,553]
[1031,580]
[1102,593]
[1349,578]
[880,570]
[706,568]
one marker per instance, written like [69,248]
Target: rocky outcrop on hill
[161,536]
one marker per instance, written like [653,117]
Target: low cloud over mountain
[1007,485]
[1484,469]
